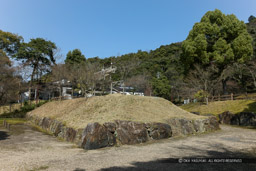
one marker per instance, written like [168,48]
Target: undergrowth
[21,113]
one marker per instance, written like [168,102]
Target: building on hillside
[47,91]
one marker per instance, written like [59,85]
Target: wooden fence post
[4,122]
[232,97]
[10,105]
[219,97]
[8,126]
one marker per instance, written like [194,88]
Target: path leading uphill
[25,149]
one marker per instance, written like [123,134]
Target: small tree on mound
[201,95]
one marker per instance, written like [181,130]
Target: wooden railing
[230,97]
[233,97]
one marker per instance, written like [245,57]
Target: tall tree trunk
[30,84]
[60,91]
[224,86]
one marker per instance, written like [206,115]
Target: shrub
[23,110]
[201,95]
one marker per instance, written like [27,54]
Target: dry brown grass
[6,108]
[77,113]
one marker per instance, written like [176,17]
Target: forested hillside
[217,57]
[168,72]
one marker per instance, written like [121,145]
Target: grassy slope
[77,113]
[235,106]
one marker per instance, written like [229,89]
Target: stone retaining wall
[242,119]
[97,135]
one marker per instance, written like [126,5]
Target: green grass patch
[13,121]
[234,106]
[248,95]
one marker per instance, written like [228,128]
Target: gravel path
[22,148]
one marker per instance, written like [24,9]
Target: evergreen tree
[38,54]
[218,38]
[75,57]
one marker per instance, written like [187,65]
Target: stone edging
[120,132]
[241,119]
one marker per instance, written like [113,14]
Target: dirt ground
[23,148]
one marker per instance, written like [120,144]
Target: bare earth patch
[25,149]
[77,113]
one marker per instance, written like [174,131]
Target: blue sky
[107,28]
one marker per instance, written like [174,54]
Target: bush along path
[23,110]
[96,135]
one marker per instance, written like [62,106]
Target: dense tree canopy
[37,51]
[217,38]
[75,57]
[251,27]
[39,54]
[161,87]
[9,81]
[220,40]
[9,43]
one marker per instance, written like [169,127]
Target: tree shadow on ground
[3,135]
[248,161]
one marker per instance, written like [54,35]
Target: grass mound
[234,106]
[77,113]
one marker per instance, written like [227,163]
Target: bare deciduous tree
[139,82]
[204,79]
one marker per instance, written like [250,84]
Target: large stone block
[70,134]
[46,123]
[159,130]
[78,138]
[176,127]
[129,132]
[181,126]
[198,126]
[111,127]
[187,126]
[243,118]
[247,119]
[213,123]
[96,136]
[226,118]
[55,127]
